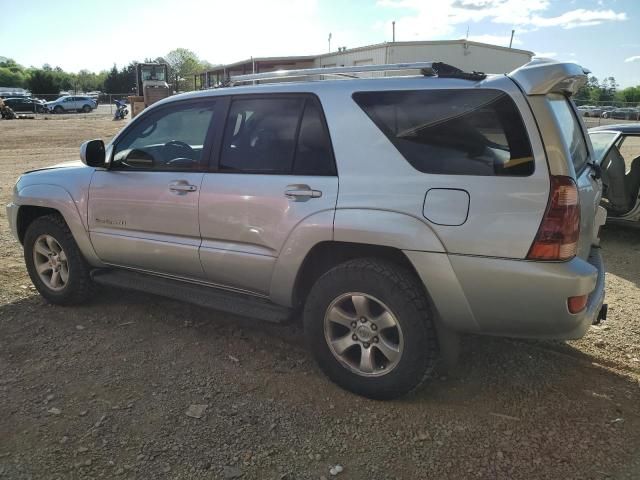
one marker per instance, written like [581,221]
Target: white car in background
[590,110]
[69,103]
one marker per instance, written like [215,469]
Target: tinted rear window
[571,131]
[454,132]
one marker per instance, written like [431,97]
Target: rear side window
[314,155]
[571,131]
[453,132]
[283,135]
[260,135]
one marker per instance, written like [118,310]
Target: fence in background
[610,103]
[106,104]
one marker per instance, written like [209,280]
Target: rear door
[274,169]
[68,103]
[589,186]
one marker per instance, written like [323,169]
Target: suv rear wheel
[368,325]
[86,109]
[54,262]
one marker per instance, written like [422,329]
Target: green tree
[43,82]
[183,64]
[120,81]
[11,79]
[629,94]
[12,74]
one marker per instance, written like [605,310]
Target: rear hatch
[549,85]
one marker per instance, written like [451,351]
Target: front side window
[454,132]
[571,131]
[171,139]
[630,150]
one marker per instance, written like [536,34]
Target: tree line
[183,64]
[606,91]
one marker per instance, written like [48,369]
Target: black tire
[86,109]
[399,290]
[79,286]
[58,109]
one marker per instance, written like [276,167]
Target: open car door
[617,197]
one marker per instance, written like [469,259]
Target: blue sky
[599,34]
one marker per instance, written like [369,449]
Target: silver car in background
[394,213]
[72,103]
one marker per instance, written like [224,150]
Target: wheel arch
[39,200]
[326,255]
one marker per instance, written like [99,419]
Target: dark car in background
[26,104]
[626,113]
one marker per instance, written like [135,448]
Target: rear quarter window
[571,131]
[454,132]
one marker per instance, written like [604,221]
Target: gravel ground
[112,389]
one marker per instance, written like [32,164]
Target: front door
[143,210]
[275,169]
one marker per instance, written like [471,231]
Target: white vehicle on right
[617,151]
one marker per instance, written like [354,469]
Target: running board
[208,297]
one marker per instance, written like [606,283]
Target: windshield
[601,142]
[152,73]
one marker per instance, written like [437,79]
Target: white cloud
[438,19]
[635,58]
[578,18]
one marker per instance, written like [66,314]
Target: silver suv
[394,212]
[72,103]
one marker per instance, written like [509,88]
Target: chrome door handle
[301,193]
[182,187]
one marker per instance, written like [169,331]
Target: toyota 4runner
[394,212]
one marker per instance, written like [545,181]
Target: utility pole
[393,27]
[511,41]
[329,42]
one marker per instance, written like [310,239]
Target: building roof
[426,43]
[298,58]
[301,58]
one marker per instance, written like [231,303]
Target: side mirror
[92,153]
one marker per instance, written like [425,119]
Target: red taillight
[557,237]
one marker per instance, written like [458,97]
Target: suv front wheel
[368,324]
[54,262]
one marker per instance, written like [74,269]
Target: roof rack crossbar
[426,68]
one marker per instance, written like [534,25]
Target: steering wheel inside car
[180,145]
[182,154]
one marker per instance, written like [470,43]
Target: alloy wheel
[363,334]
[50,262]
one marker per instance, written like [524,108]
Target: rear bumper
[513,298]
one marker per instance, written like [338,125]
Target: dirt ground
[102,390]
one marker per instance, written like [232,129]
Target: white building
[463,54]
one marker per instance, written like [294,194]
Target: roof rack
[428,69]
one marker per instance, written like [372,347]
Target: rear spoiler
[543,75]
